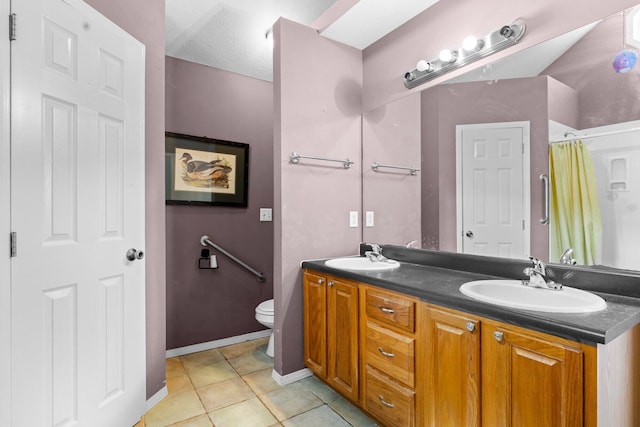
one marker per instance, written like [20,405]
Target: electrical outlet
[353,219]
[266,214]
[368,220]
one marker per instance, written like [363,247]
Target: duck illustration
[202,171]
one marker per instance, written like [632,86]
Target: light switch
[353,219]
[266,214]
[368,219]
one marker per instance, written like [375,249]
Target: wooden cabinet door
[342,337]
[315,323]
[450,391]
[528,380]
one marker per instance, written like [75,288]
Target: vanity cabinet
[388,322]
[530,379]
[410,363]
[331,331]
[449,393]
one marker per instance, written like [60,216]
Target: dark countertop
[439,286]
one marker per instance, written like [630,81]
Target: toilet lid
[265,307]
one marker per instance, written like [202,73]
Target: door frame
[526,177]
[5,218]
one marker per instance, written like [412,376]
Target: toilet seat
[265,308]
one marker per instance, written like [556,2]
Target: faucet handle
[376,249]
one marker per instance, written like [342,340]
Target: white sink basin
[512,294]
[361,264]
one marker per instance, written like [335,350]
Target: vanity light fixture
[472,50]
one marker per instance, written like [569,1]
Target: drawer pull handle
[387,310]
[385,403]
[384,353]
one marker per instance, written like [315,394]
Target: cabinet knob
[330,283]
[385,403]
[320,281]
[471,326]
[499,336]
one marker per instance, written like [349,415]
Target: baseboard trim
[156,398]
[292,377]
[181,351]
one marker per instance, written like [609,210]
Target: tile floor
[232,387]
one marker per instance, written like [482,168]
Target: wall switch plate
[353,219]
[368,219]
[266,214]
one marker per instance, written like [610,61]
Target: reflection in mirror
[576,91]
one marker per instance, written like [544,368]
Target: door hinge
[523,226]
[14,244]
[12,27]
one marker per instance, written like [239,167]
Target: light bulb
[423,65]
[448,56]
[471,44]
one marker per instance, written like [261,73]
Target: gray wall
[205,305]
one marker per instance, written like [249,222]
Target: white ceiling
[230,34]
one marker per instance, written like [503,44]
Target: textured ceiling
[230,34]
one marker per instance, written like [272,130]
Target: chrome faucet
[538,276]
[375,254]
[566,258]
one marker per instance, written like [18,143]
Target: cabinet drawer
[390,352]
[391,309]
[393,404]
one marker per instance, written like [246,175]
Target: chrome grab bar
[204,241]
[412,170]
[545,214]
[295,158]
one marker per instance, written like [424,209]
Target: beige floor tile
[174,367]
[257,360]
[203,375]
[251,413]
[261,382]
[201,358]
[320,389]
[353,415]
[290,401]
[322,416]
[178,384]
[140,423]
[201,421]
[239,349]
[174,408]
[225,393]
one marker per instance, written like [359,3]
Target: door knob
[469,234]
[134,254]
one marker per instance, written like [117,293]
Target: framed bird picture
[205,171]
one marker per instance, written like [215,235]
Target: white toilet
[264,315]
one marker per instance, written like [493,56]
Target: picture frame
[205,171]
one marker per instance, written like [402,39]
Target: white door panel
[77,206]
[493,190]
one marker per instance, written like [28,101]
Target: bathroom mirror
[604,101]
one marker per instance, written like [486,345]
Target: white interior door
[77,206]
[493,189]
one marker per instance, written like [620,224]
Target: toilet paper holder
[210,261]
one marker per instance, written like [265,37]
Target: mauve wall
[317,90]
[391,136]
[444,107]
[448,22]
[144,19]
[605,96]
[206,305]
